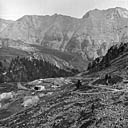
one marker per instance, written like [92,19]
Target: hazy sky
[14,9]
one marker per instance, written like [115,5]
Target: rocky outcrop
[7,95]
[98,31]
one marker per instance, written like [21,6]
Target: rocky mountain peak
[117,12]
[122,12]
[90,13]
[112,13]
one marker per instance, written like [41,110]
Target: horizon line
[1,17]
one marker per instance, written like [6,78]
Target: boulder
[30,100]
[7,95]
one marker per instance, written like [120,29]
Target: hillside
[90,36]
[59,104]
[115,59]
[62,60]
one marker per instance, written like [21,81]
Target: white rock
[30,100]
[49,93]
[6,95]
[41,94]
[4,73]
[20,86]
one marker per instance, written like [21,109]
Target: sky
[14,9]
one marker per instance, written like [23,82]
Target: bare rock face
[4,24]
[98,31]
[89,37]
[50,31]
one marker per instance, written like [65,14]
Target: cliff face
[89,37]
[98,31]
[52,31]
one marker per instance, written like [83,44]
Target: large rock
[7,95]
[30,100]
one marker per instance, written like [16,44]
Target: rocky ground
[56,103]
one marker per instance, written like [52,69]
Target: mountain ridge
[90,36]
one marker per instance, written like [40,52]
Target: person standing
[78,84]
[92,108]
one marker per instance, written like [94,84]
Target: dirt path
[93,93]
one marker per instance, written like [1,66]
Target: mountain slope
[12,48]
[88,37]
[114,62]
[98,31]
[42,29]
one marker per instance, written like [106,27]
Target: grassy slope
[74,59]
[67,107]
[12,52]
[9,53]
[62,55]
